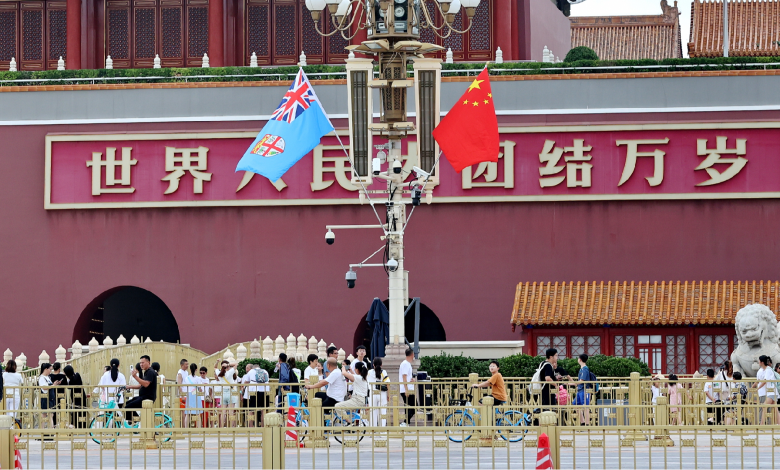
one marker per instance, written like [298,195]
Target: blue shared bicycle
[349,429]
[511,425]
[111,417]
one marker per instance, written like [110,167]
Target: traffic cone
[291,434]
[17,454]
[543,457]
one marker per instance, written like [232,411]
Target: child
[496,381]
[675,399]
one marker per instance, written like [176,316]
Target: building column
[502,15]
[515,36]
[73,37]
[361,35]
[216,34]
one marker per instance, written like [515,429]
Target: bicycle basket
[104,406]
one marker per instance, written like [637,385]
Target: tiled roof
[630,37]
[638,303]
[754,28]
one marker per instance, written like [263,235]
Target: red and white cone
[543,457]
[291,434]
[17,454]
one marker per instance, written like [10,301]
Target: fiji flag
[294,129]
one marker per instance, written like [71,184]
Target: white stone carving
[255,349]
[109,63]
[157,65]
[12,65]
[108,342]
[121,341]
[253,63]
[93,345]
[59,354]
[302,59]
[448,57]
[135,340]
[499,56]
[757,333]
[205,63]
[76,350]
[61,64]
[240,353]
[7,355]
[43,357]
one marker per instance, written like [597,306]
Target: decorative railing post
[634,408]
[662,421]
[548,424]
[6,442]
[273,441]
[317,420]
[487,419]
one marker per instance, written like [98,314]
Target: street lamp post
[393,32]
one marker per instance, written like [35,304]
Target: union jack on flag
[297,99]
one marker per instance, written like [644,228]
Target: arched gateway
[128,311]
[431,328]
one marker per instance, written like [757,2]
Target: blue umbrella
[379,320]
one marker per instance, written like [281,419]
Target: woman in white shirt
[766,390]
[359,390]
[47,398]
[110,383]
[11,378]
[378,392]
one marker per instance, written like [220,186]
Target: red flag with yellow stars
[468,134]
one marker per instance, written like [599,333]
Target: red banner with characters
[651,161]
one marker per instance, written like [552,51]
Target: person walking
[378,378]
[675,399]
[584,390]
[194,403]
[359,396]
[147,387]
[77,398]
[47,395]
[766,387]
[406,377]
[11,378]
[547,377]
[181,379]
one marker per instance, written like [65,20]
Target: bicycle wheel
[349,431]
[100,424]
[165,422]
[459,419]
[512,426]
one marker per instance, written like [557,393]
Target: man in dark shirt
[548,375]
[147,388]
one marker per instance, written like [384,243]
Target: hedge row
[518,365]
[522,365]
[222,74]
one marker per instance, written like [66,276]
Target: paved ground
[598,451]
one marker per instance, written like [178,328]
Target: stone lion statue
[758,332]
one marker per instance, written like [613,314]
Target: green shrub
[453,366]
[523,365]
[581,53]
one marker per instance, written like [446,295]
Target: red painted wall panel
[232,274]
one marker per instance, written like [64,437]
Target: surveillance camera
[397,166]
[330,237]
[392,265]
[416,195]
[420,173]
[351,277]
[376,165]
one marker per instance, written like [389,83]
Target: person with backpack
[543,380]
[584,389]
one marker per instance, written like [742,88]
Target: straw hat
[659,377]
[697,375]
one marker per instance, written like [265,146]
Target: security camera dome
[392,265]
[330,237]
[397,167]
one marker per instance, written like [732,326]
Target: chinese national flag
[468,134]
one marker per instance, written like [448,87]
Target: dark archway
[129,311]
[431,328]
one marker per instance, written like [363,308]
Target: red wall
[232,274]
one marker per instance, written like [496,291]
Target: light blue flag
[294,129]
